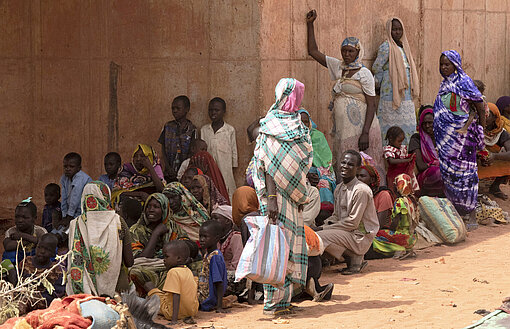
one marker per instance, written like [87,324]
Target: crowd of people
[173,226]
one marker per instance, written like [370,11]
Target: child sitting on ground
[399,161]
[25,231]
[51,197]
[72,181]
[212,281]
[231,243]
[197,145]
[176,137]
[42,261]
[221,139]
[178,299]
[194,262]
[130,210]
[112,166]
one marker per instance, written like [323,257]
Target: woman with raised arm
[354,102]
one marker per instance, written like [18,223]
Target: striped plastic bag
[266,253]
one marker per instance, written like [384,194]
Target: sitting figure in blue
[25,232]
[212,280]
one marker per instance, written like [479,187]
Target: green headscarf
[191,207]
[322,155]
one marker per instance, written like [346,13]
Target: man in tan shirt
[354,224]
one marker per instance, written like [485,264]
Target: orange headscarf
[244,201]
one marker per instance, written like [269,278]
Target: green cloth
[322,155]
[446,99]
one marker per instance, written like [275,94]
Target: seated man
[354,224]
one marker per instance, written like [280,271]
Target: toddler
[212,280]
[51,197]
[130,210]
[398,160]
[25,231]
[41,261]
[178,299]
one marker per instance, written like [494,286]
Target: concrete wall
[55,66]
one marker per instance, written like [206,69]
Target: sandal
[286,311]
[471,226]
[408,254]
[355,269]
[320,296]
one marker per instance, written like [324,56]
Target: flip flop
[408,254]
[320,296]
[280,312]
[355,269]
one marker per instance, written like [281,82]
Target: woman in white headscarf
[395,74]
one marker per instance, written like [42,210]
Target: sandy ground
[441,288]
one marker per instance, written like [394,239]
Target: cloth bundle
[442,219]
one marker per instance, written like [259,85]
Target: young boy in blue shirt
[72,181]
[112,164]
[212,280]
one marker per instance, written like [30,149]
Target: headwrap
[322,155]
[149,152]
[294,99]
[357,63]
[398,74]
[376,179]
[211,197]
[244,201]
[459,82]
[95,197]
[428,150]
[284,149]
[503,102]
[212,170]
[404,185]
[190,205]
[225,211]
[491,137]
[163,201]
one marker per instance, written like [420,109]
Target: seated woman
[322,163]
[399,239]
[185,211]
[383,197]
[150,233]
[244,202]
[423,144]
[205,162]
[99,244]
[503,104]
[141,177]
[206,193]
[497,164]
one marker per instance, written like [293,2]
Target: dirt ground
[441,288]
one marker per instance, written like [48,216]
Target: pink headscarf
[294,99]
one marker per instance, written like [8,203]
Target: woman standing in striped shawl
[283,156]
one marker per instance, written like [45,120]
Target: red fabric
[397,169]
[205,162]
[62,313]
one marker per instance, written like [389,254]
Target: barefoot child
[176,137]
[25,231]
[51,197]
[178,298]
[212,281]
[40,262]
[399,161]
[112,165]
[221,140]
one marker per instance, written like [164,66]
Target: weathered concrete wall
[55,60]
[478,29]
[54,92]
